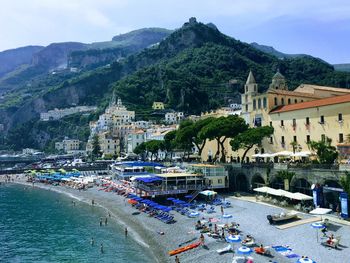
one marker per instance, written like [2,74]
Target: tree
[345,182]
[285,175]
[169,143]
[249,138]
[294,145]
[141,150]
[326,153]
[222,128]
[153,147]
[96,148]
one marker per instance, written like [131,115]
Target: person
[260,250]
[177,260]
[201,238]
[324,230]
[126,231]
[247,239]
[215,228]
[330,239]
[92,241]
[101,221]
[198,225]
[222,210]
[101,248]
[109,214]
[106,221]
[92,202]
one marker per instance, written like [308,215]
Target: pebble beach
[250,215]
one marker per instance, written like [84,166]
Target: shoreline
[135,231]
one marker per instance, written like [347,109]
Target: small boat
[183,249]
[225,249]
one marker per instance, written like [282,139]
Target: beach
[250,215]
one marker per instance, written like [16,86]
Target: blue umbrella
[317,226]
[233,239]
[244,250]
[305,260]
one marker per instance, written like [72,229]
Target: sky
[319,28]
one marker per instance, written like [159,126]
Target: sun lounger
[225,249]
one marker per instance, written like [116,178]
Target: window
[246,108]
[270,123]
[282,123]
[322,119]
[276,101]
[294,123]
[289,102]
[259,103]
[294,138]
[341,137]
[282,101]
[246,89]
[308,138]
[323,137]
[219,181]
[307,121]
[271,140]
[340,117]
[282,139]
[254,104]
[295,101]
[264,103]
[302,101]
[246,98]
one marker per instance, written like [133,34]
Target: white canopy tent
[301,154]
[320,211]
[302,197]
[282,193]
[283,154]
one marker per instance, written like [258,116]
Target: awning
[283,153]
[301,154]
[320,211]
[208,193]
[301,197]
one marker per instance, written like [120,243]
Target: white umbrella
[244,251]
[256,155]
[208,193]
[233,238]
[262,189]
[301,197]
[301,154]
[305,260]
[283,153]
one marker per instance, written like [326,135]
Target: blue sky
[317,27]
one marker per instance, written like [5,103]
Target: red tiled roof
[313,104]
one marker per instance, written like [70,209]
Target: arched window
[259,103]
[289,102]
[254,104]
[276,101]
[282,101]
[295,101]
[264,103]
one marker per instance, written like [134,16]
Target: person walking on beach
[101,221]
[177,260]
[92,241]
[106,221]
[92,202]
[201,239]
[222,210]
[126,231]
[109,214]
[101,248]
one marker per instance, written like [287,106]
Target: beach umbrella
[170,199]
[305,260]
[193,214]
[317,226]
[244,251]
[233,239]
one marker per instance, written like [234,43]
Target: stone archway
[257,181]
[301,185]
[277,183]
[241,183]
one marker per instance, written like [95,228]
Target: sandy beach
[250,215]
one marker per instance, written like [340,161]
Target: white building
[135,138]
[57,114]
[173,117]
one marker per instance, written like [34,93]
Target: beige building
[67,145]
[110,145]
[158,105]
[310,112]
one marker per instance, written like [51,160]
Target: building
[215,175]
[135,138]
[310,112]
[57,114]
[67,145]
[109,144]
[158,105]
[173,117]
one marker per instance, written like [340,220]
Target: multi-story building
[310,112]
[57,114]
[173,117]
[135,138]
[67,145]
[110,144]
[158,105]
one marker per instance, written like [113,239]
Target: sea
[38,225]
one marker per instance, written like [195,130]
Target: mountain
[270,50]
[190,70]
[14,58]
[342,67]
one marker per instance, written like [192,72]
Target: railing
[171,187]
[309,166]
[259,165]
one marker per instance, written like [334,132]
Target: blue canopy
[149,179]
[138,163]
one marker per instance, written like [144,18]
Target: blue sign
[344,205]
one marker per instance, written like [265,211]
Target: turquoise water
[42,226]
